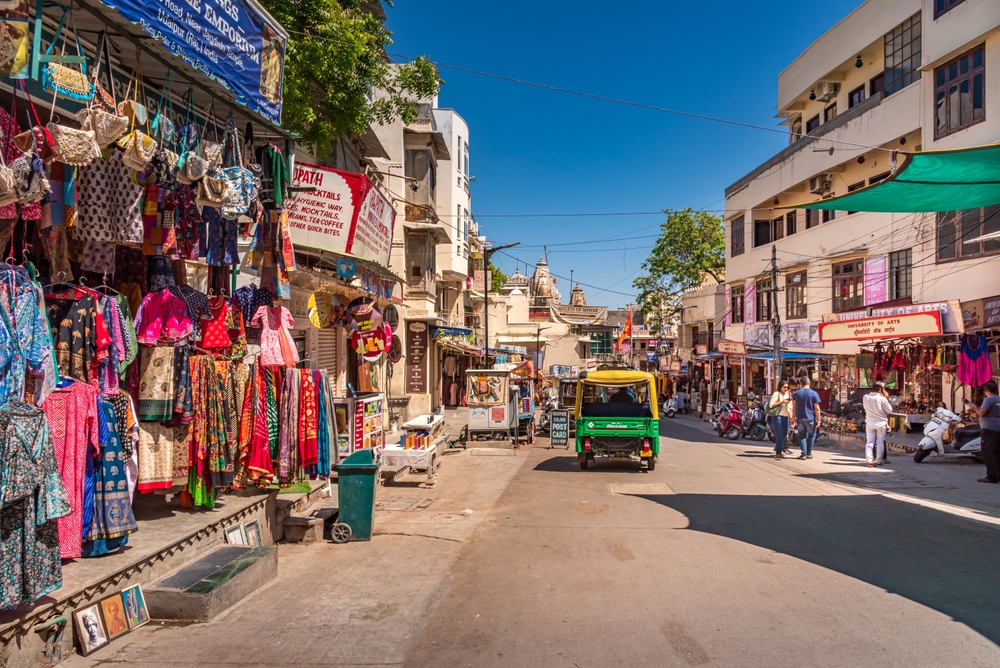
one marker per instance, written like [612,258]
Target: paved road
[723,557]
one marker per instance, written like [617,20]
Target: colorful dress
[32,498]
[113,520]
[25,339]
[276,345]
[162,320]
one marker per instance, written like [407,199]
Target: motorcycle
[545,419]
[730,421]
[754,424]
[671,410]
[965,443]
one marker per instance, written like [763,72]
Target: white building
[907,75]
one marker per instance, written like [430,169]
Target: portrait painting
[90,629]
[135,607]
[115,620]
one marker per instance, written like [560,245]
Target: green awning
[950,180]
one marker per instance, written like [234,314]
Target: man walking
[808,416]
[877,409]
[989,422]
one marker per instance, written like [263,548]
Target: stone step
[308,527]
[210,584]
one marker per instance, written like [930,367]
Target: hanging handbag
[60,79]
[187,134]
[30,182]
[212,151]
[8,191]
[133,109]
[99,116]
[244,186]
[139,150]
[162,126]
[75,147]
[249,157]
[212,191]
[37,139]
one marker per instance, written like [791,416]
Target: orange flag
[626,331]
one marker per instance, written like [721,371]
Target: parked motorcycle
[730,421]
[545,419]
[966,442]
[671,410]
[755,422]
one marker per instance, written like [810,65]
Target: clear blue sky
[537,151]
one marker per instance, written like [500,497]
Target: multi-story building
[894,75]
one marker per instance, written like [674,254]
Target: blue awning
[785,356]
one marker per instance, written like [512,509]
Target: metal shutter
[326,351]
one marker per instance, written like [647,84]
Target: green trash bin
[356,493]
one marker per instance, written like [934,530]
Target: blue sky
[537,151]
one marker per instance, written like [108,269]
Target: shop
[457,353]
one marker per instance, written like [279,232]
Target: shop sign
[798,334]
[228,40]
[875,279]
[344,213]
[981,313]
[395,349]
[416,358]
[675,365]
[540,314]
[701,349]
[749,301]
[559,427]
[886,327]
[731,347]
[734,360]
[325,310]
[364,316]
[479,280]
[372,344]
[951,314]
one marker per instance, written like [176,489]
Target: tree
[335,58]
[691,247]
[498,279]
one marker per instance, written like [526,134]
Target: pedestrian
[989,423]
[793,387]
[777,416]
[681,383]
[877,409]
[808,417]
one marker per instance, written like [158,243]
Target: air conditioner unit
[819,184]
[827,91]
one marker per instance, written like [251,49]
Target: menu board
[416,357]
[559,429]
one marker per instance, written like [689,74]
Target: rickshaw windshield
[616,401]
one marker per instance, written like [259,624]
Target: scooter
[730,421]
[964,445]
[671,410]
[754,425]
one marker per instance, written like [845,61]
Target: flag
[626,330]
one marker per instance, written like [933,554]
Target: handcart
[493,405]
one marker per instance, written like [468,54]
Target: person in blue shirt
[805,406]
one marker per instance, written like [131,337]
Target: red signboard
[886,327]
[731,347]
[343,213]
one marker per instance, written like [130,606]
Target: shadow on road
[568,464]
[944,562]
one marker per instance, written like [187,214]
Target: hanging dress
[112,520]
[974,361]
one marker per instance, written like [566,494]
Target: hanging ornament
[347,268]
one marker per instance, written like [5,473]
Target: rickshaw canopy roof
[617,378]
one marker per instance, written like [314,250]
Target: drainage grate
[492,452]
[400,504]
[637,489]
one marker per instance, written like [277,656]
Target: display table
[906,422]
[420,423]
[424,460]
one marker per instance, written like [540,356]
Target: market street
[722,556]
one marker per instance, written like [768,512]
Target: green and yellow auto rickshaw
[617,416]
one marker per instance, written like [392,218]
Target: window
[458,155]
[466,150]
[956,229]
[795,295]
[877,84]
[902,55]
[830,113]
[945,6]
[761,232]
[856,96]
[812,218]
[465,225]
[848,286]
[736,304]
[736,241]
[880,177]
[828,215]
[812,124]
[790,224]
[901,274]
[851,188]
[777,228]
[795,130]
[458,224]
[764,295]
[960,92]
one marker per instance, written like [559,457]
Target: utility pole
[776,318]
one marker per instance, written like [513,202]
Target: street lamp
[489,279]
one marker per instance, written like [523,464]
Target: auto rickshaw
[617,416]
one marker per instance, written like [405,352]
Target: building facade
[894,75]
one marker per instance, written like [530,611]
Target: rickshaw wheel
[584,463]
[651,463]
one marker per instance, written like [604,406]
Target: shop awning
[709,356]
[459,346]
[949,180]
[524,339]
[785,356]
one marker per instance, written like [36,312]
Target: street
[722,556]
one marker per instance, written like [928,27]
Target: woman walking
[777,416]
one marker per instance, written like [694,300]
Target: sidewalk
[841,460]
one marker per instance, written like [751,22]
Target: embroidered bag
[60,79]
[133,109]
[244,186]
[162,126]
[38,139]
[212,151]
[100,116]
[29,179]
[212,190]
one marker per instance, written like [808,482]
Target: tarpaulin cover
[950,180]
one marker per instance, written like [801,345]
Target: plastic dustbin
[356,494]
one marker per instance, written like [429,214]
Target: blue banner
[228,40]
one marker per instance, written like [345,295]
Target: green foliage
[332,69]
[691,247]
[497,278]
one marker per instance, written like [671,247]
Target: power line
[595,287]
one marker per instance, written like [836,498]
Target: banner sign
[675,365]
[798,334]
[731,347]
[701,349]
[951,314]
[416,358]
[559,428]
[229,40]
[981,313]
[875,279]
[887,327]
[344,214]
[539,314]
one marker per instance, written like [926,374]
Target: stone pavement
[357,604]
[949,484]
